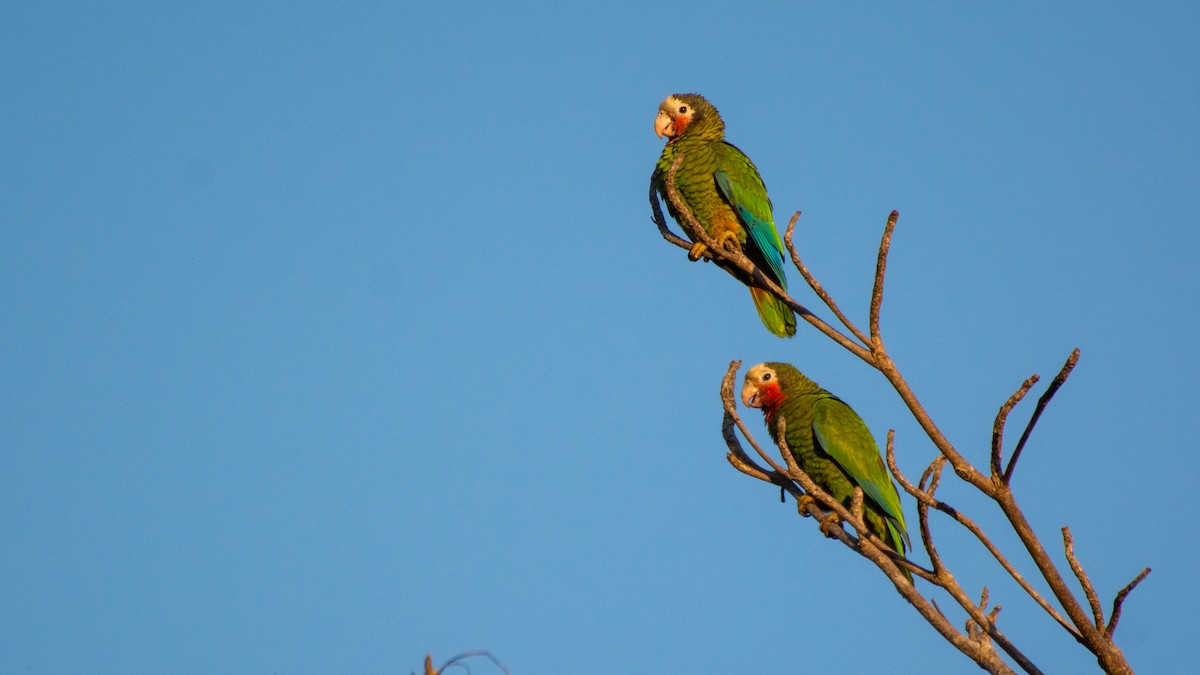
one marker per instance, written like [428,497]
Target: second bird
[831,443]
[725,193]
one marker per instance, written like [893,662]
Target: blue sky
[336,335]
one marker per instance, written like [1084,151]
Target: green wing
[741,185]
[846,438]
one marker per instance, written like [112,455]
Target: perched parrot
[831,444]
[723,189]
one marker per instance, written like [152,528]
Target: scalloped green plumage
[833,445]
[726,194]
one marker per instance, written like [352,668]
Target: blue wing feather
[761,230]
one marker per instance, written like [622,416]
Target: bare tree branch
[931,476]
[1037,412]
[1088,589]
[457,660]
[1120,600]
[1002,418]
[925,499]
[816,285]
[662,222]
[870,348]
[880,269]
[856,504]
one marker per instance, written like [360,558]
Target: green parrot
[831,444]
[723,189]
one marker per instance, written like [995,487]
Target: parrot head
[764,385]
[680,112]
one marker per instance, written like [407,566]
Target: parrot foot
[828,523]
[802,503]
[729,242]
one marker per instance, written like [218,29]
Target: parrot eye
[683,109]
[766,377]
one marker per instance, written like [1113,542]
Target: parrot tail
[896,539]
[775,314]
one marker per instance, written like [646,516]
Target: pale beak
[750,395]
[664,125]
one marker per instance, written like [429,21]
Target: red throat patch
[681,122]
[770,396]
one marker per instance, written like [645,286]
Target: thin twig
[877,291]
[1088,635]
[1088,589]
[1002,418]
[1091,636]
[454,661]
[1120,600]
[926,500]
[1057,382]
[741,463]
[662,222]
[816,285]
[923,516]
[974,629]
[932,477]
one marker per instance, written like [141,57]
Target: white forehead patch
[757,372]
[672,104]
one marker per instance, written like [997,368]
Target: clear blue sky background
[335,335]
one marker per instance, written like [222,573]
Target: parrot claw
[828,523]
[729,242]
[802,503]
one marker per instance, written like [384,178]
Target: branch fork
[981,635]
